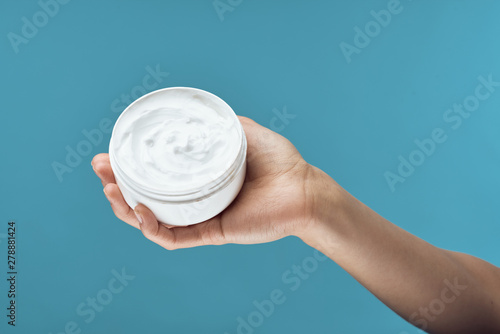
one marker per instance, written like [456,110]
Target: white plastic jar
[181,152]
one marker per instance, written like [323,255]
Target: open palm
[272,203]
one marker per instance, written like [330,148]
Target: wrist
[326,202]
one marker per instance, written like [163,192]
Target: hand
[274,202]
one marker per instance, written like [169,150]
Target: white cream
[183,145]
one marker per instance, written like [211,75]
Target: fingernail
[138,215]
[105,193]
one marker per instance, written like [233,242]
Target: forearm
[440,290]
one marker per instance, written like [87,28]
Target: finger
[152,229]
[101,157]
[103,170]
[119,206]
[206,233]
[209,232]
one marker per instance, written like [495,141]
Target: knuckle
[148,233]
[119,212]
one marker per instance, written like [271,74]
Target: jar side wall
[183,214]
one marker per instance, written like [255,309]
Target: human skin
[283,196]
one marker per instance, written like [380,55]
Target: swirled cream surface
[179,143]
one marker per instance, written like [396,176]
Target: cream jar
[181,152]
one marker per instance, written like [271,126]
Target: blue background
[353,120]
